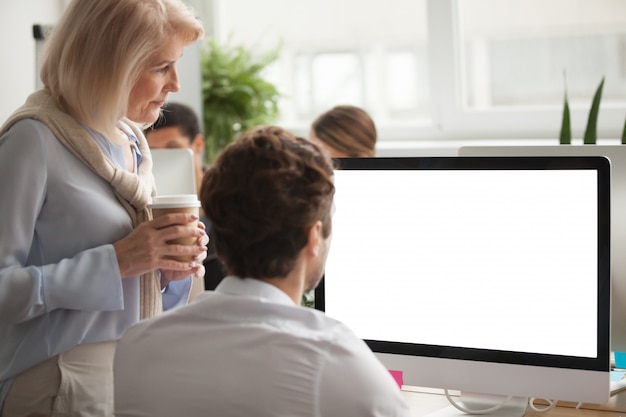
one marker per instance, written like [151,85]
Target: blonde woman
[81,260]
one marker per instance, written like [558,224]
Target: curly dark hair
[262,194]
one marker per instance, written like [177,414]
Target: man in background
[178,127]
[248,348]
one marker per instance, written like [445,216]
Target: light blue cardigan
[60,285]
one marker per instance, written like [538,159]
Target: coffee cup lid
[175,200]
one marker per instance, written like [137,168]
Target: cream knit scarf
[132,190]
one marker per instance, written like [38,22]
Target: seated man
[248,348]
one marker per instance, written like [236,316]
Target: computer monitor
[617,156]
[174,171]
[483,275]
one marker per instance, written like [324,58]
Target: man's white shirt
[246,349]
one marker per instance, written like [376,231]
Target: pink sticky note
[397,376]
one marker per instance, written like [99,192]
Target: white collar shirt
[247,350]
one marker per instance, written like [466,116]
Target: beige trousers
[76,383]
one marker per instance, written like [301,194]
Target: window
[441,69]
[519,53]
[338,52]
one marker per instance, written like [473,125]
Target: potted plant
[235,94]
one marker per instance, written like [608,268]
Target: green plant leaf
[591,131]
[565,137]
[308,299]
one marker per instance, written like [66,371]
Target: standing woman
[80,258]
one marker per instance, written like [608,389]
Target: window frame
[452,124]
[456,122]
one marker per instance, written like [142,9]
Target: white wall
[17,48]
[190,77]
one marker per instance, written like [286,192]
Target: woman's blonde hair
[99,48]
[348,129]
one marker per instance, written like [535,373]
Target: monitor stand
[481,403]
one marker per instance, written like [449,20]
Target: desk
[425,401]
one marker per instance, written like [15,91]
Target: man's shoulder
[211,311]
[152,325]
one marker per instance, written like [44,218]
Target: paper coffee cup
[179,203]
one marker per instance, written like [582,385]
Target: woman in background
[345,131]
[81,260]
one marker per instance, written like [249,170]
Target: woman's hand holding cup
[174,241]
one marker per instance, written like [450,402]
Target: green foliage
[591,131]
[565,137]
[308,299]
[235,95]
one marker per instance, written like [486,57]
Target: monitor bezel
[598,163]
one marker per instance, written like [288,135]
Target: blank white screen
[490,259]
[174,171]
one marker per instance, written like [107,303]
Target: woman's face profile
[153,86]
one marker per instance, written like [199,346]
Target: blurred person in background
[177,128]
[345,131]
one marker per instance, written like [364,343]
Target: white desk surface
[425,401]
